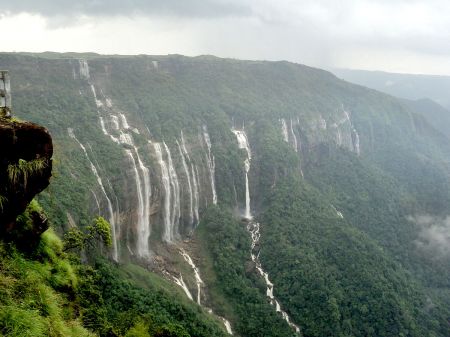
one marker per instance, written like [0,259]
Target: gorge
[272,197]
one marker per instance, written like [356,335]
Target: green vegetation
[229,245]
[47,292]
[360,275]
[35,294]
[333,279]
[19,173]
[99,231]
[3,201]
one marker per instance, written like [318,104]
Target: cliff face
[26,150]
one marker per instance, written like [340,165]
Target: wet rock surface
[27,147]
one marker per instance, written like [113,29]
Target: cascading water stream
[188,177]
[196,193]
[119,124]
[253,228]
[211,163]
[284,130]
[165,180]
[199,282]
[294,137]
[84,69]
[195,187]
[180,282]
[176,209]
[112,218]
[198,279]
[355,135]
[243,144]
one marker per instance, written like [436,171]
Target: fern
[24,169]
[3,200]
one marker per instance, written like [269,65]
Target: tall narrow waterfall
[253,228]
[189,185]
[195,187]
[84,69]
[284,130]
[112,216]
[355,135]
[119,134]
[196,193]
[294,137]
[165,181]
[176,209]
[211,163]
[241,137]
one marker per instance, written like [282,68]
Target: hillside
[286,200]
[408,86]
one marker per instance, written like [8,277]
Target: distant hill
[407,86]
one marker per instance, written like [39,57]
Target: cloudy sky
[393,35]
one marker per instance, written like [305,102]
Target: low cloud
[70,8]
[434,235]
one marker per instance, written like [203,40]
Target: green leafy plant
[24,169]
[100,230]
[3,200]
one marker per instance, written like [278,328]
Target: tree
[99,231]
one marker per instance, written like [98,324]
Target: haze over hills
[269,198]
[409,86]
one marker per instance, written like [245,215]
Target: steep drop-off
[153,144]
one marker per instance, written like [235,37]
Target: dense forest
[156,162]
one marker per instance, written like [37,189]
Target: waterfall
[120,125]
[199,282]
[176,210]
[294,137]
[96,201]
[115,122]
[112,218]
[243,144]
[144,228]
[198,279]
[195,187]
[355,135]
[196,193]
[143,195]
[253,228]
[188,177]
[124,121]
[84,69]
[211,163]
[165,180]
[284,130]
[180,282]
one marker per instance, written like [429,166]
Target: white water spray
[180,282]
[120,124]
[165,180]
[199,282]
[243,144]
[211,163]
[112,218]
[253,228]
[284,130]
[294,137]
[176,209]
[188,177]
[84,69]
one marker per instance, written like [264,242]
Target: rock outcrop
[26,150]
